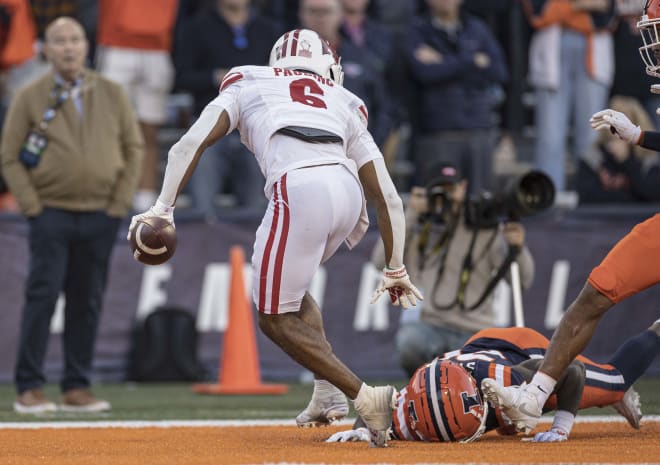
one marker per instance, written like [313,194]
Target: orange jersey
[19,38]
[139,24]
[604,384]
[631,265]
[491,353]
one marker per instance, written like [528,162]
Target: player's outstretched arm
[391,223]
[358,432]
[182,159]
[380,189]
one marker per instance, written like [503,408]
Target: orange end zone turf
[589,443]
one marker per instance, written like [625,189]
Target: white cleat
[375,407]
[630,407]
[516,402]
[327,405]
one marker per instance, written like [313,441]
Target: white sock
[361,393]
[544,385]
[563,421]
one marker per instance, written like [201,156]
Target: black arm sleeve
[650,140]
[570,386]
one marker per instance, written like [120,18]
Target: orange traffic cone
[239,362]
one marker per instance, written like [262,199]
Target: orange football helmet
[442,403]
[648,28]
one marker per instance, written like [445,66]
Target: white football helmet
[305,50]
[648,28]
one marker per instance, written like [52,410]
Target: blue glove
[360,434]
[554,435]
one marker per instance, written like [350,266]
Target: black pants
[69,252]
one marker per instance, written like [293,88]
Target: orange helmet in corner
[648,28]
[441,403]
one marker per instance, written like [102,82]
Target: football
[153,240]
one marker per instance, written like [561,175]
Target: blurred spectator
[88,16]
[627,41]
[365,32]
[363,70]
[395,14]
[228,34]
[459,68]
[134,44]
[457,257]
[46,11]
[17,33]
[187,10]
[22,57]
[614,170]
[571,67]
[71,151]
[43,13]
[17,39]
[505,20]
[283,11]
[378,41]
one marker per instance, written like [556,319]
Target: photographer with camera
[457,250]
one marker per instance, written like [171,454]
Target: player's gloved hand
[617,123]
[397,283]
[554,435]
[359,434]
[158,209]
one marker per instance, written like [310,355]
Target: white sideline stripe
[234,423]
[461,463]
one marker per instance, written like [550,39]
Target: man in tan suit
[71,154]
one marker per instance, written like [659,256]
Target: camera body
[524,195]
[438,202]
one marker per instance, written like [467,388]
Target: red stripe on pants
[265,260]
[281,247]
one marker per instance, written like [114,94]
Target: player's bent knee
[270,325]
[577,368]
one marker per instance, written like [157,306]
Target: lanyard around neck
[58,95]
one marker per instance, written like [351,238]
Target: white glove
[360,434]
[617,123]
[397,283]
[655,89]
[554,435]
[158,209]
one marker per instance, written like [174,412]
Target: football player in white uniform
[310,138]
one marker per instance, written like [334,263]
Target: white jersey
[260,100]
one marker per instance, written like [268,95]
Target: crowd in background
[444,81]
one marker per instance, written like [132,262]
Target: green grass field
[178,402]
